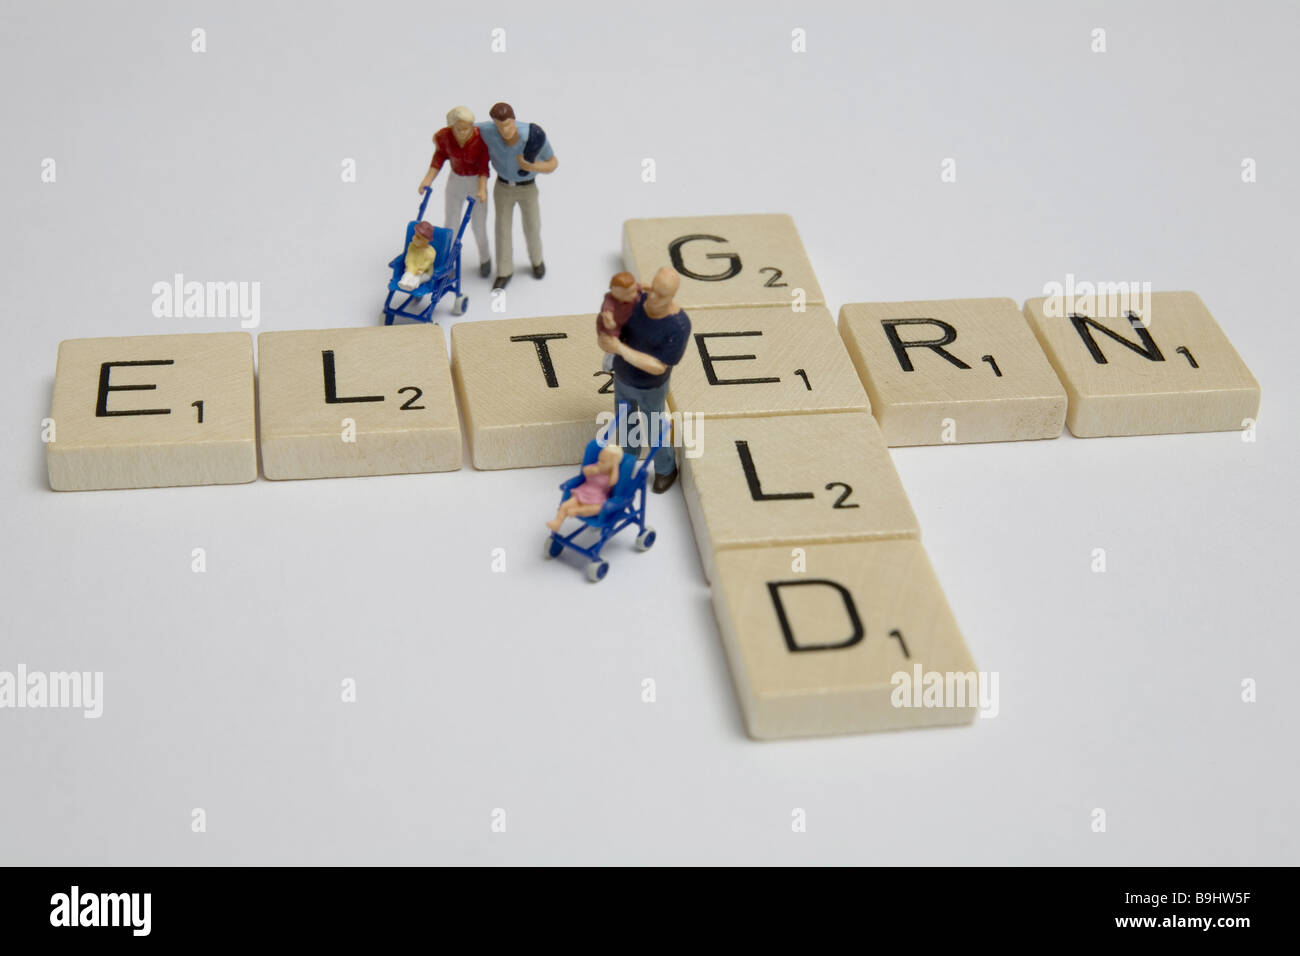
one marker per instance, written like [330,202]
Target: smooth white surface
[480,690]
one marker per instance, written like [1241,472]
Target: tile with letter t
[793,480]
[337,403]
[530,389]
[152,411]
[756,362]
[1159,367]
[840,639]
[724,261]
[953,371]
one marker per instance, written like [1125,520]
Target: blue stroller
[626,506]
[446,271]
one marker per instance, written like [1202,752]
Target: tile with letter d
[152,411]
[756,362]
[530,389]
[1156,366]
[725,261]
[840,639]
[337,403]
[953,371]
[793,480]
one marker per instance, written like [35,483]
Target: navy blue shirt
[666,339]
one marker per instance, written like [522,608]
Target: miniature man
[460,142]
[617,307]
[652,341]
[518,151]
[420,257]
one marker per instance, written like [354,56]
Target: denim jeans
[650,401]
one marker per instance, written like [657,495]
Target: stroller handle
[424,201]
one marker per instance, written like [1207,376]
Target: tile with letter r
[953,371]
[530,389]
[337,403]
[793,480]
[756,362]
[724,261]
[151,411]
[840,639]
[1159,365]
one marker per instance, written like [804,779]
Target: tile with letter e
[793,480]
[852,638]
[756,362]
[337,403]
[1159,367]
[530,389]
[724,261]
[153,411]
[953,371]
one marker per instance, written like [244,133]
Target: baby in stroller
[589,497]
[420,257]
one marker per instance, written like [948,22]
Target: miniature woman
[589,497]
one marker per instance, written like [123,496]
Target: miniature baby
[589,497]
[420,257]
[619,302]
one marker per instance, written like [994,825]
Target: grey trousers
[506,198]
[459,188]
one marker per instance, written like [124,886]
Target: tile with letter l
[1161,367]
[530,389]
[860,640]
[724,261]
[793,480]
[337,403]
[953,371]
[152,411]
[756,362]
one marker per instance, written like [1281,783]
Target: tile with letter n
[724,261]
[1153,367]
[953,371]
[840,639]
[793,480]
[530,389]
[756,362]
[337,403]
[152,411]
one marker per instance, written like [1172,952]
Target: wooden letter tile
[337,403]
[793,480]
[1167,369]
[724,261]
[842,646]
[530,389]
[757,362]
[953,371]
[152,411]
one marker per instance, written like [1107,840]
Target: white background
[522,690]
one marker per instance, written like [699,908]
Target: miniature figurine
[518,152]
[589,497]
[619,302]
[652,341]
[461,142]
[420,257]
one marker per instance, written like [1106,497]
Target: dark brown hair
[502,111]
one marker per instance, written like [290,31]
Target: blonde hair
[459,114]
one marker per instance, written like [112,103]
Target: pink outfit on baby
[593,491]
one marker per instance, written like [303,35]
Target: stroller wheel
[645,540]
[553,547]
[596,571]
[459,305]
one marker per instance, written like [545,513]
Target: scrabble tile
[953,371]
[724,261]
[816,652]
[793,480]
[337,403]
[1178,373]
[530,389]
[756,362]
[152,411]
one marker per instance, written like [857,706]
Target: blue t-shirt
[504,156]
[666,339]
